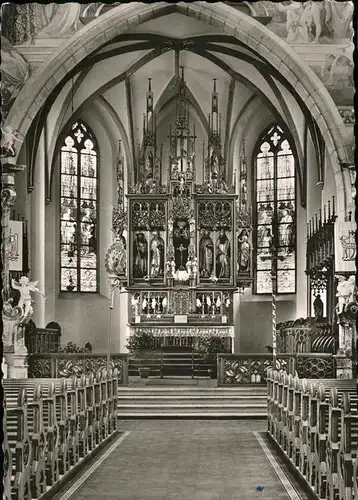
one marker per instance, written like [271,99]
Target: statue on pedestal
[346,291]
[346,309]
[318,307]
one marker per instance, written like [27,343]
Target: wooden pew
[304,428]
[51,424]
[290,416]
[115,382]
[7,458]
[20,446]
[316,427]
[36,434]
[296,442]
[90,412]
[348,445]
[312,433]
[42,428]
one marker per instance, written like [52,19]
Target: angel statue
[25,287]
[9,136]
[346,290]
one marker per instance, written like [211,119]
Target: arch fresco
[247,30]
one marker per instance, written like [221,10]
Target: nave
[178,200]
[189,459]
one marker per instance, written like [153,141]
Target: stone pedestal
[18,366]
[15,351]
[344,367]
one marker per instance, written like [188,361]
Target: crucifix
[181,249]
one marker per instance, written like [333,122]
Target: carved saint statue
[206,255]
[135,302]
[244,252]
[318,307]
[214,164]
[25,287]
[222,255]
[170,226]
[189,267]
[172,267]
[195,267]
[140,255]
[346,291]
[117,257]
[167,268]
[156,255]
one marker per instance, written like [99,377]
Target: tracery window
[275,214]
[79,204]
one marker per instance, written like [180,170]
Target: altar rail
[315,424]
[51,425]
[252,368]
[55,365]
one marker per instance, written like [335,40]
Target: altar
[181,248]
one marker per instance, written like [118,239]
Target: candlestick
[333,206]
[329,209]
[324,213]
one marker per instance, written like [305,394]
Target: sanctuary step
[192,402]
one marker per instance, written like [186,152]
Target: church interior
[179,243]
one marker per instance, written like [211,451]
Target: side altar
[182,248]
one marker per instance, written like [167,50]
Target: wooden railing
[50,425]
[43,340]
[54,365]
[252,368]
[317,338]
[315,424]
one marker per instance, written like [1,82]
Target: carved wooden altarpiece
[182,251]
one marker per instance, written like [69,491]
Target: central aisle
[189,460]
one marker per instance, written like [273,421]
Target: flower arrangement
[72,347]
[210,347]
[141,340]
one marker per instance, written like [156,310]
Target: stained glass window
[79,201]
[275,214]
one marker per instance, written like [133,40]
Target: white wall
[82,316]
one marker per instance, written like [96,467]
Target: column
[38,234]
[119,328]
[123,321]
[14,363]
[236,318]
